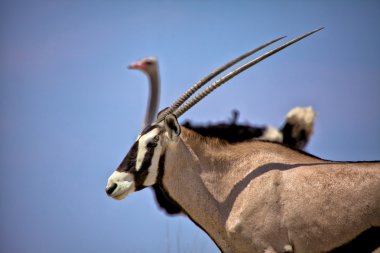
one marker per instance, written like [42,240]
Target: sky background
[70,110]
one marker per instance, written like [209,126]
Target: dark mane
[234,132]
[228,131]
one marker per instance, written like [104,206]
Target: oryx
[295,132]
[254,196]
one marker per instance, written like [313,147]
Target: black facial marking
[368,241]
[161,165]
[151,145]
[143,172]
[140,177]
[129,162]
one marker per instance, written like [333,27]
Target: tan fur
[261,197]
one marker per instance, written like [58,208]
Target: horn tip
[317,30]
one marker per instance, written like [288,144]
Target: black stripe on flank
[368,241]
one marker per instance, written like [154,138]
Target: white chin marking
[123,190]
[125,184]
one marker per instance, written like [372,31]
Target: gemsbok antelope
[254,196]
[296,131]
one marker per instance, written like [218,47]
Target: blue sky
[70,109]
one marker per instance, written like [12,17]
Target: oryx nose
[110,189]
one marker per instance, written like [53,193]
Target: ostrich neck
[154,95]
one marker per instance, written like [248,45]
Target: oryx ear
[172,127]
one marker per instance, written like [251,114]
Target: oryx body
[257,196]
[260,195]
[254,196]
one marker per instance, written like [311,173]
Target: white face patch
[142,150]
[125,184]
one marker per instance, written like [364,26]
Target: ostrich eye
[148,63]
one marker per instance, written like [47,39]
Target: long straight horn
[235,72]
[210,76]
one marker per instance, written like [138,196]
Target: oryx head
[142,166]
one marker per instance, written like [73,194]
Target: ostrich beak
[136,65]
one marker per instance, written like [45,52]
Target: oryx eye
[153,142]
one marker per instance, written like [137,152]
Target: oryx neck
[182,181]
